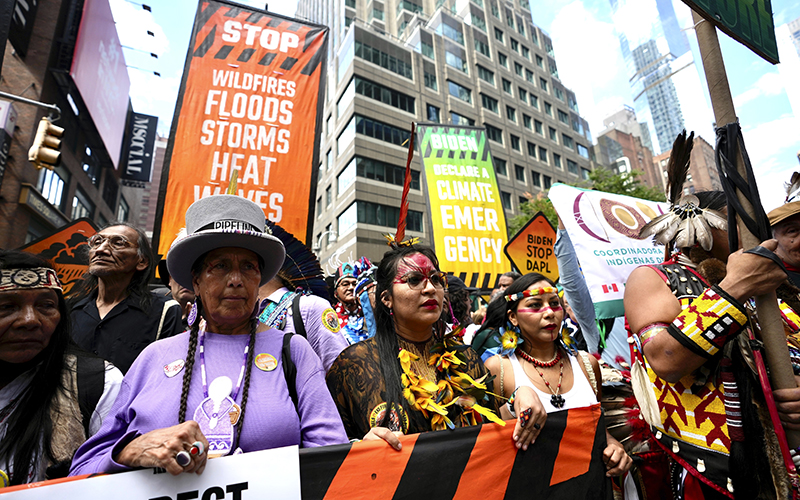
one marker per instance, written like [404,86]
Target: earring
[452,316]
[192,314]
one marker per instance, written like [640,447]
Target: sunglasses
[115,241]
[416,280]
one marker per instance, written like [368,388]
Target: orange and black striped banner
[566,461]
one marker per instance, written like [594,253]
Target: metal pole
[25,100]
[769,316]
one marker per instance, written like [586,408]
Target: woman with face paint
[529,315]
[384,386]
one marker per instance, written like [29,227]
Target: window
[527,122]
[500,166]
[563,117]
[539,127]
[347,136]
[350,3]
[559,93]
[495,10]
[528,75]
[539,61]
[384,94]
[534,36]
[387,216]
[511,113]
[514,45]
[489,103]
[453,34]
[460,92]
[381,131]
[542,154]
[457,119]
[485,74]
[51,185]
[346,177]
[426,49]
[123,211]
[110,190]
[433,113]
[91,166]
[494,133]
[523,94]
[376,14]
[479,22]
[509,18]
[535,101]
[384,60]
[82,206]
[547,182]
[328,196]
[536,179]
[553,134]
[585,173]
[506,197]
[319,206]
[482,47]
[368,168]
[522,200]
[531,149]
[498,35]
[567,141]
[572,167]
[430,81]
[515,143]
[409,6]
[583,151]
[548,108]
[347,219]
[502,59]
[507,86]
[455,61]
[557,160]
[518,69]
[543,84]
[526,52]
[519,173]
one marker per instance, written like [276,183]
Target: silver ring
[183,458]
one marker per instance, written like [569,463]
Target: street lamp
[318,245]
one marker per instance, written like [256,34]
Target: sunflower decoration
[455,396]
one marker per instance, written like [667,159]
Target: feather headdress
[791,204]
[685,223]
[398,239]
[301,268]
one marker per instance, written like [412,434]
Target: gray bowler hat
[221,221]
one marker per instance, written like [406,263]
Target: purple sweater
[150,400]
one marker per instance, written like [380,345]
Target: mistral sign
[466,210]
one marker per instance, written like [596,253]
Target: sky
[585,43]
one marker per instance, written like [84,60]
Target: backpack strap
[167,305]
[90,372]
[587,365]
[289,369]
[299,327]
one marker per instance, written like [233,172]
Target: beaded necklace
[557,400]
[544,364]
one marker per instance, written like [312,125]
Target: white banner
[604,229]
[262,474]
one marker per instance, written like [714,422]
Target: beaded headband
[27,279]
[530,293]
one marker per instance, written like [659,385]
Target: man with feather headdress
[694,370]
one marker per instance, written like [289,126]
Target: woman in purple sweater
[187,398]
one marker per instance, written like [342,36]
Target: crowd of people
[247,347]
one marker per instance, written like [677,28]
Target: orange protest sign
[250,102]
[67,250]
[531,249]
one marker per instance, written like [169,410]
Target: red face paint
[414,262]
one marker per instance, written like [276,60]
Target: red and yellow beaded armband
[708,322]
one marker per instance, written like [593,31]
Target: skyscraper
[666,88]
[470,62]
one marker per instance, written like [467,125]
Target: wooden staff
[776,350]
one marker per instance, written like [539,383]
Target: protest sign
[466,209]
[531,249]
[250,101]
[604,229]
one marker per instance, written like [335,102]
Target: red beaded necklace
[535,362]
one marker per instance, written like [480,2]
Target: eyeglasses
[416,280]
[115,241]
[347,284]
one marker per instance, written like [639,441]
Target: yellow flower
[405,360]
[445,361]
[509,340]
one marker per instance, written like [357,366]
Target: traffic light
[44,151]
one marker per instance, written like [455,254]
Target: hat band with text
[231,224]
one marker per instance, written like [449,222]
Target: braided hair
[194,333]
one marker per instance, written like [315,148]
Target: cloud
[133,23]
[773,147]
[769,84]
[607,88]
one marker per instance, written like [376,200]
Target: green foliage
[601,179]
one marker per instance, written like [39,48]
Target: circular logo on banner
[330,320]
[266,362]
[377,413]
[622,218]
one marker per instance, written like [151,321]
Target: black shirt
[126,330]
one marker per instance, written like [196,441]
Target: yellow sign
[531,249]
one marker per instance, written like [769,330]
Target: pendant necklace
[557,400]
[218,413]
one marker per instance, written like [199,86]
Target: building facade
[37,64]
[666,88]
[703,174]
[624,152]
[466,62]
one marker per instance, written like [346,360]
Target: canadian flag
[610,288]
